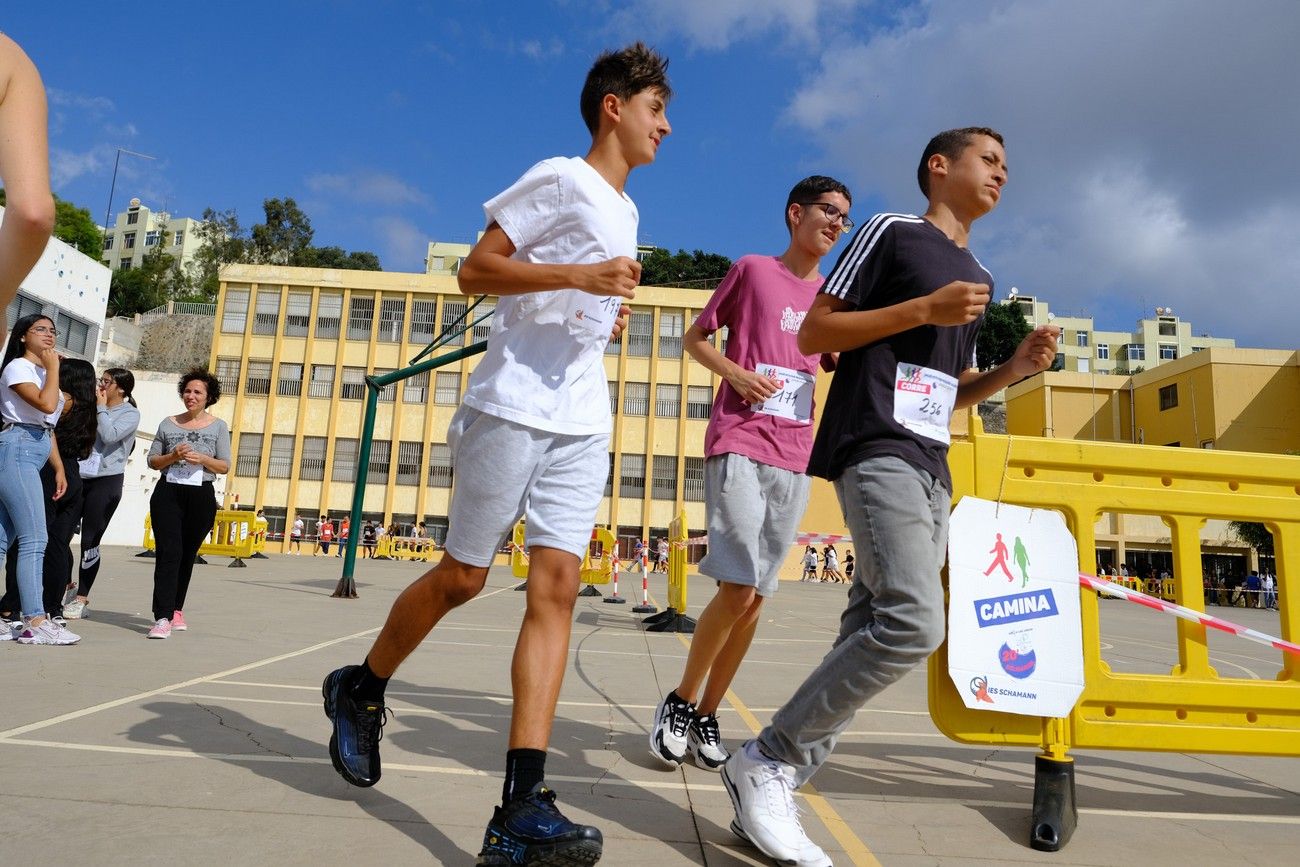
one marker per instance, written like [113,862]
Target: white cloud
[94,105]
[370,187]
[66,166]
[1149,146]
[718,23]
[404,244]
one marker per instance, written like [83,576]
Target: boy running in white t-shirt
[531,438]
[756,448]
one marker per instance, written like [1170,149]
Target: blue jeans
[898,517]
[24,449]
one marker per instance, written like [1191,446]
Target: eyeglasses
[832,213]
[41,329]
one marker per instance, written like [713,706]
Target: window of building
[1103,352]
[699,401]
[132,217]
[248,460]
[415,389]
[258,380]
[410,458]
[1167,328]
[266,318]
[609,477]
[322,381]
[1058,363]
[1136,351]
[631,477]
[1168,397]
[722,339]
[124,265]
[74,335]
[289,382]
[1168,352]
[354,383]
[297,314]
[228,374]
[613,396]
[664,478]
[345,459]
[668,400]
[234,313]
[329,313]
[128,241]
[484,328]
[615,345]
[670,334]
[640,335]
[361,316]
[178,240]
[23,305]
[1081,338]
[381,459]
[693,480]
[151,238]
[392,318]
[279,464]
[423,316]
[440,472]
[453,317]
[636,398]
[387,394]
[311,464]
[446,388]
[108,242]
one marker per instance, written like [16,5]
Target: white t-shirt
[544,366]
[297,529]
[13,408]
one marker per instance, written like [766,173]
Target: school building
[1221,398]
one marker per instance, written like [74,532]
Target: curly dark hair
[76,428]
[202,375]
[624,73]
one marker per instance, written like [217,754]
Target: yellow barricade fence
[399,548]
[233,535]
[597,563]
[1192,709]
[674,618]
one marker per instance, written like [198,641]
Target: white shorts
[506,470]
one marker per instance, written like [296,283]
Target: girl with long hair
[30,404]
[102,473]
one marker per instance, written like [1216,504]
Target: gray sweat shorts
[754,513]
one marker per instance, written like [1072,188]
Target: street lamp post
[108,212]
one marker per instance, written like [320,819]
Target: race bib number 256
[923,401]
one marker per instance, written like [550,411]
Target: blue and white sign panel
[1015,642]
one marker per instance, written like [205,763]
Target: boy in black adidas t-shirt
[902,307]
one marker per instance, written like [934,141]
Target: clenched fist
[617,277]
[958,303]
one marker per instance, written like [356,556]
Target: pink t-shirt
[762,306]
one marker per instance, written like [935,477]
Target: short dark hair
[811,187]
[950,143]
[624,73]
[202,375]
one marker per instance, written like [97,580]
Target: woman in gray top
[102,474]
[190,449]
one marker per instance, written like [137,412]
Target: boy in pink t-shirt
[756,448]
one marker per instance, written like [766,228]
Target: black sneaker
[358,728]
[668,734]
[531,830]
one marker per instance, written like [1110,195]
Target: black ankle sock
[367,685]
[524,770]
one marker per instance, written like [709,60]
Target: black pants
[181,516]
[60,524]
[100,499]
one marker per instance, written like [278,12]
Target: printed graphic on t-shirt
[794,400]
[791,319]
[923,401]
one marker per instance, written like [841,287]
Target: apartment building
[138,229]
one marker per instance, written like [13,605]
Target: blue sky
[1149,144]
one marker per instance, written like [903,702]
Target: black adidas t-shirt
[894,258]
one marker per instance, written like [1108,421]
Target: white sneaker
[7,633]
[668,734]
[762,793]
[76,609]
[48,632]
[704,742]
[69,594]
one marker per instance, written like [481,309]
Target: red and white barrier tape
[818,538]
[1192,615]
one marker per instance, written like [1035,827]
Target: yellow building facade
[292,347]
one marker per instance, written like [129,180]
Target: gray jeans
[898,517]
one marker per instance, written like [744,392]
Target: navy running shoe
[531,830]
[358,728]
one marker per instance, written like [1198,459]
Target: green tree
[157,280]
[337,257]
[75,226]
[285,237]
[697,269]
[1003,329]
[1253,534]
[223,241]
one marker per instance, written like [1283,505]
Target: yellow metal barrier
[597,567]
[1191,709]
[233,535]
[674,618]
[399,548]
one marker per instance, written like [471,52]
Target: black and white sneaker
[704,743]
[673,719]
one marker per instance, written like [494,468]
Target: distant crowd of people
[830,563]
